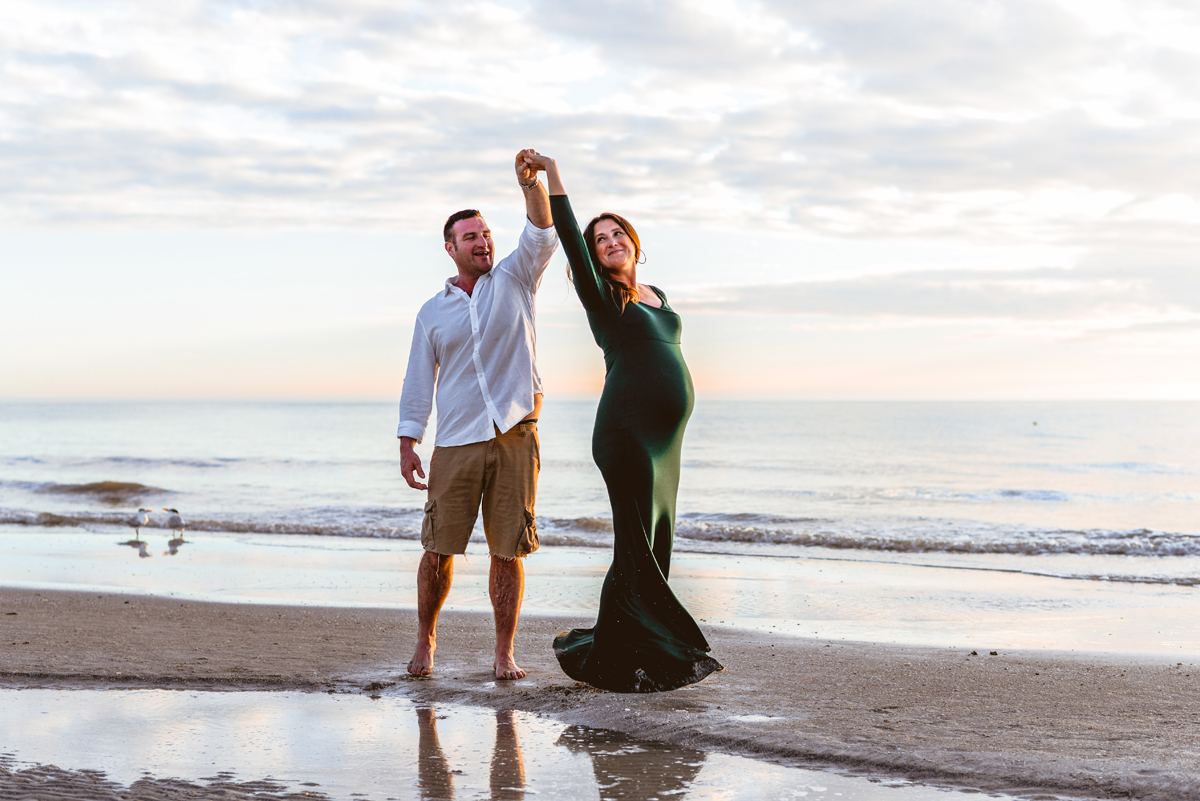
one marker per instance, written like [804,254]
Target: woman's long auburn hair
[621,293]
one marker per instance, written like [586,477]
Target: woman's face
[614,248]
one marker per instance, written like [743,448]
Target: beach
[1018,722]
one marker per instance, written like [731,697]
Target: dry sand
[1024,723]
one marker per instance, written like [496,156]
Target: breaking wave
[902,536]
[928,536]
[111,493]
[399,524]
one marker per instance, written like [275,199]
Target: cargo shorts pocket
[527,543]
[429,526]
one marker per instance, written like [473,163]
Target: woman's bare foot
[507,669]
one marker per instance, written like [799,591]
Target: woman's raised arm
[539,163]
[589,285]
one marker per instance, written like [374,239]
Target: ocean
[1095,491]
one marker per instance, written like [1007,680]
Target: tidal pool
[388,748]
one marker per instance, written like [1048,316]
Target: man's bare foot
[422,662]
[507,669]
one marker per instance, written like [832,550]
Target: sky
[946,200]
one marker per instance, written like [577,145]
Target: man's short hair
[465,214]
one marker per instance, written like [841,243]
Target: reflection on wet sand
[355,746]
[508,768]
[174,545]
[624,768]
[631,769]
[435,777]
[139,546]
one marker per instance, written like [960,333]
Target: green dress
[643,640]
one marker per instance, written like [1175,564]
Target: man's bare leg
[506,585]
[434,576]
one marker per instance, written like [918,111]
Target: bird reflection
[173,546]
[630,769]
[139,546]
[508,767]
[434,778]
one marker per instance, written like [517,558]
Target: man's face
[471,248]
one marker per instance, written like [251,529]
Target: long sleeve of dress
[589,285]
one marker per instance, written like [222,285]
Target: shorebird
[142,518]
[175,522]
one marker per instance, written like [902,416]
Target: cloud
[945,53]
[994,122]
[1114,295]
[698,42]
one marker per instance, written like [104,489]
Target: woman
[643,640]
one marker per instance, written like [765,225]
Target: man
[475,341]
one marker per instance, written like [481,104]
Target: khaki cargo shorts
[501,476]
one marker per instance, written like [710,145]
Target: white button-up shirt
[478,350]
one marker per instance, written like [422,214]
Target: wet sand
[52,782]
[1019,722]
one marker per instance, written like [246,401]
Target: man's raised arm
[537,202]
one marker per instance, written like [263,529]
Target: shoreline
[833,599]
[1021,722]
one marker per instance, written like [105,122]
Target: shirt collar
[451,285]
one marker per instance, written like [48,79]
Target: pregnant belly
[649,389]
